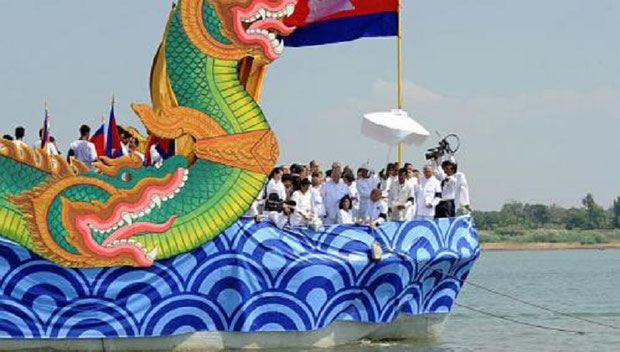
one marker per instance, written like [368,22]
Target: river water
[585,283]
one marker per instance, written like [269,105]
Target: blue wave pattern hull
[253,277]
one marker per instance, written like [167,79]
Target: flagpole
[44,138]
[399,45]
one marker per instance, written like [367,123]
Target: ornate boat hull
[254,286]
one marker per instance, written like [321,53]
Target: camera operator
[454,189]
[278,211]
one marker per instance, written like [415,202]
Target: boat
[254,286]
[119,255]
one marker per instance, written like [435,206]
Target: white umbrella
[393,127]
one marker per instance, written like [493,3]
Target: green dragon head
[94,219]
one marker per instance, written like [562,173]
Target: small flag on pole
[98,138]
[114,148]
[45,135]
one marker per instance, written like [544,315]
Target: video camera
[444,147]
[274,203]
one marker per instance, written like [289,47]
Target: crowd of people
[84,149]
[304,195]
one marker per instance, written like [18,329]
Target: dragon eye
[126,176]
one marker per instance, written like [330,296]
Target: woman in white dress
[345,215]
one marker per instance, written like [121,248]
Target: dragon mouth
[262,24]
[123,222]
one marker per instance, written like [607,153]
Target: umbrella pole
[399,45]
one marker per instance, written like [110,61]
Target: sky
[531,87]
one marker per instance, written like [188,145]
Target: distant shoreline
[545,246]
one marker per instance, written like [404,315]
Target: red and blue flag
[331,21]
[165,147]
[114,149]
[98,139]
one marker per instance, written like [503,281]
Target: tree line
[515,217]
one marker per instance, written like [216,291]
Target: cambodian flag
[98,139]
[113,148]
[331,21]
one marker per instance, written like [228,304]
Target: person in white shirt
[392,189]
[82,149]
[303,213]
[349,180]
[454,189]
[280,218]
[332,192]
[289,185]
[20,133]
[366,182]
[50,147]
[428,194]
[275,184]
[317,199]
[314,166]
[378,209]
[156,158]
[125,140]
[403,205]
[387,177]
[134,143]
[345,215]
[254,210]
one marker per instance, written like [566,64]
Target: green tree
[512,214]
[595,214]
[537,215]
[558,215]
[575,218]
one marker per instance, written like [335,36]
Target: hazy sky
[532,87]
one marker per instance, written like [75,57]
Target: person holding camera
[428,193]
[454,189]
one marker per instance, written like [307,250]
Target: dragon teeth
[290,8]
[156,200]
[152,254]
[127,218]
[262,13]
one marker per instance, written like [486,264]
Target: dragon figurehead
[205,81]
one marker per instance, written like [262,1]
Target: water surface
[585,283]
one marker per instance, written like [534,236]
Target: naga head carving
[234,29]
[91,219]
